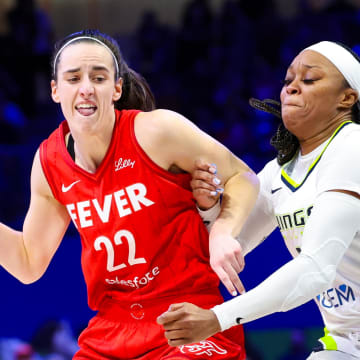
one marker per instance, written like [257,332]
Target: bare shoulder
[160,121]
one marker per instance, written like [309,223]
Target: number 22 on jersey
[109,247]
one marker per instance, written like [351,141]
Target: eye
[286,82]
[73,79]
[99,79]
[308,81]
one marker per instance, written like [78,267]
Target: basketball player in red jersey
[122,176]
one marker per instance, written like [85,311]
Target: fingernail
[213,168]
[216,181]
[234,293]
[213,193]
[219,190]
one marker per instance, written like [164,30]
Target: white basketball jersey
[293,189]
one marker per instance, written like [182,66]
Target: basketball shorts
[129,331]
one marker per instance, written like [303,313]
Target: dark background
[205,62]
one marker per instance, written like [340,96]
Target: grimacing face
[312,95]
[85,86]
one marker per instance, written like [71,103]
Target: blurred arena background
[202,58]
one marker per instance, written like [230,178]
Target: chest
[292,206]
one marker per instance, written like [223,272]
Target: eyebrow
[94,68]
[307,66]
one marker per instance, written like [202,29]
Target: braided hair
[285,143]
[136,92]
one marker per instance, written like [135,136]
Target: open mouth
[86,109]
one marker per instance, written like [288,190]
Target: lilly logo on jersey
[335,297]
[205,347]
[123,163]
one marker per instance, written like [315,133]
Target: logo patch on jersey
[273,191]
[65,189]
[205,347]
[335,297]
[137,311]
[124,163]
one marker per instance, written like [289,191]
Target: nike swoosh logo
[273,191]
[67,188]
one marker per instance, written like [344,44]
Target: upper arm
[171,139]
[331,228]
[337,169]
[45,223]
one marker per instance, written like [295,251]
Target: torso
[142,237]
[293,190]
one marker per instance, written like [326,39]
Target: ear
[54,93]
[118,89]
[349,98]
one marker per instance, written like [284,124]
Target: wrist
[210,214]
[223,320]
[221,227]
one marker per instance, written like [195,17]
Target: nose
[86,88]
[293,88]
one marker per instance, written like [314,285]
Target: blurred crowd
[206,69]
[53,340]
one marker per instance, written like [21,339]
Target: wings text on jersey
[126,201]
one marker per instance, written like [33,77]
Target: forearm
[295,283]
[327,235]
[13,257]
[239,198]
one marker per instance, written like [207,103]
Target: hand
[187,323]
[227,261]
[205,184]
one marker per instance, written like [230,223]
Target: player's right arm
[260,223]
[26,254]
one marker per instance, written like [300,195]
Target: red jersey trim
[64,129]
[45,167]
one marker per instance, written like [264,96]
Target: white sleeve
[260,223]
[339,168]
[327,235]
[210,215]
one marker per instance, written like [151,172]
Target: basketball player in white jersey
[312,193]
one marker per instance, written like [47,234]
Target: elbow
[312,280]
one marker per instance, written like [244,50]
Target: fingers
[240,259]
[203,165]
[176,338]
[174,313]
[234,279]
[228,275]
[205,179]
[225,279]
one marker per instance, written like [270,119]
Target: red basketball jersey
[142,237]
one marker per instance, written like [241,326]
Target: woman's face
[311,98]
[85,86]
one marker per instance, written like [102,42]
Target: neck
[309,144]
[90,149]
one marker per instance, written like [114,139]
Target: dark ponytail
[136,92]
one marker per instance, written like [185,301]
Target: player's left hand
[227,261]
[186,323]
